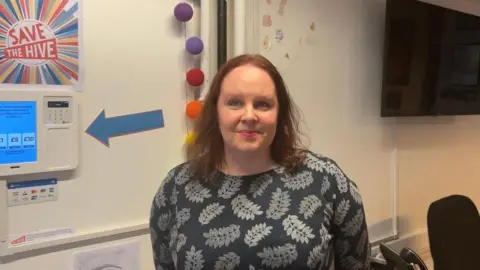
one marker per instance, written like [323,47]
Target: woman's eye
[263,105]
[234,102]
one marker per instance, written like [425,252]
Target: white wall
[435,157]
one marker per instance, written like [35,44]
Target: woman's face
[247,110]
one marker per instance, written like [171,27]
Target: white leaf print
[315,257]
[164,221]
[194,259]
[230,186]
[183,216]
[228,261]
[223,236]
[257,233]
[172,236]
[325,185]
[196,192]
[183,176]
[210,212]
[314,162]
[355,193]
[244,208]
[309,205]
[160,199]
[297,229]
[278,169]
[250,267]
[279,204]
[181,240]
[325,235]
[327,212]
[342,181]
[258,186]
[298,181]
[174,195]
[342,211]
[353,226]
[278,256]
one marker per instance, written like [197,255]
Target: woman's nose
[249,114]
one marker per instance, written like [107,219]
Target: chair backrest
[454,233]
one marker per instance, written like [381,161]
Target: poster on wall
[40,43]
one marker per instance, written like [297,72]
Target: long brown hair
[206,151]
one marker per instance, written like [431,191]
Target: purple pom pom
[183,12]
[194,45]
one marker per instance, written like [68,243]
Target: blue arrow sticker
[103,128]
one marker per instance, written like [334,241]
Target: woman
[249,197]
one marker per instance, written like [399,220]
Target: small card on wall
[267,20]
[281,6]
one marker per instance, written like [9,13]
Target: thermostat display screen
[18,132]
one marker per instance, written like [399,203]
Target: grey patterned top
[311,218]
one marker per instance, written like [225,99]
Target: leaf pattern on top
[183,216]
[210,212]
[181,240]
[244,208]
[353,226]
[194,259]
[316,256]
[279,204]
[278,256]
[297,229]
[164,221]
[223,236]
[309,205]
[307,218]
[342,181]
[325,185]
[355,193]
[196,192]
[183,176]
[298,181]
[258,186]
[230,186]
[160,199]
[314,163]
[227,261]
[342,211]
[257,233]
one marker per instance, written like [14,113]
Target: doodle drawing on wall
[39,42]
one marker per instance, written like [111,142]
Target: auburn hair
[206,151]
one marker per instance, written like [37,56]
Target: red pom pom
[195,77]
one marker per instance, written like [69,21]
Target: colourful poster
[39,42]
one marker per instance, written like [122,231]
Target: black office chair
[407,259]
[454,233]
[411,257]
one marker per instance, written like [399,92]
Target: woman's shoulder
[325,169]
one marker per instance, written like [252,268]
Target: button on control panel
[57,111]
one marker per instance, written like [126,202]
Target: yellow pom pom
[190,137]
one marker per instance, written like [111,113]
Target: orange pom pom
[193,109]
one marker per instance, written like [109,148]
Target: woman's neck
[247,163]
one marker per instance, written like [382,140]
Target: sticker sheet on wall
[39,42]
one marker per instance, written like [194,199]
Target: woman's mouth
[248,133]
